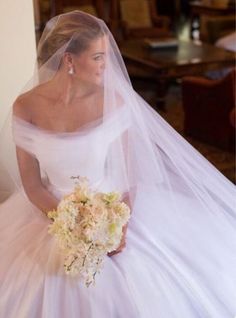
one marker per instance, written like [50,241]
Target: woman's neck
[70,89]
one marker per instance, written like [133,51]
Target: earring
[71,70]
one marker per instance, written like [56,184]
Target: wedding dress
[180,254]
[177,265]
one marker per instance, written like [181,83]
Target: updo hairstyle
[73,31]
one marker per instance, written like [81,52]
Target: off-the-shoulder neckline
[85,128]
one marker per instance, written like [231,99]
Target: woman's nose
[102,66]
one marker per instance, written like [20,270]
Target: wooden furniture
[162,65]
[43,11]
[94,7]
[37,19]
[209,108]
[208,8]
[139,18]
[215,27]
[187,59]
[170,8]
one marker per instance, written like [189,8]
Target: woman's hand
[124,230]
[122,243]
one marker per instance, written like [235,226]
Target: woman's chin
[98,80]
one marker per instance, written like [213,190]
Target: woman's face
[89,65]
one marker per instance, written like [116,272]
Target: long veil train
[183,223]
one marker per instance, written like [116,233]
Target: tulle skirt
[177,263]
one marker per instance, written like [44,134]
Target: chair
[42,13]
[213,28]
[94,7]
[209,108]
[139,18]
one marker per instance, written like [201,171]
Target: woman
[82,118]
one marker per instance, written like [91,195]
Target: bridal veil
[149,151]
[143,149]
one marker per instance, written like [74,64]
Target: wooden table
[162,65]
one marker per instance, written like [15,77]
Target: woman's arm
[125,197]
[32,183]
[29,166]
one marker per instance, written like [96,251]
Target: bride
[79,116]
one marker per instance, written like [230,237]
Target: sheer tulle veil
[146,150]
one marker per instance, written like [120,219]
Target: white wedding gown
[175,265]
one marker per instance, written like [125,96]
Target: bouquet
[87,225]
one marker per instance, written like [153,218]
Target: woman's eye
[97,58]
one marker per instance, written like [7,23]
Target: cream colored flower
[87,225]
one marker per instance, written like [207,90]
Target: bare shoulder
[25,103]
[21,106]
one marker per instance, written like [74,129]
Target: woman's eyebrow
[98,53]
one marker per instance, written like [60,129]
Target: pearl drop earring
[71,71]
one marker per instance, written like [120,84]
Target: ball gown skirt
[179,260]
[178,265]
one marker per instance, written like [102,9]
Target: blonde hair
[75,32]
